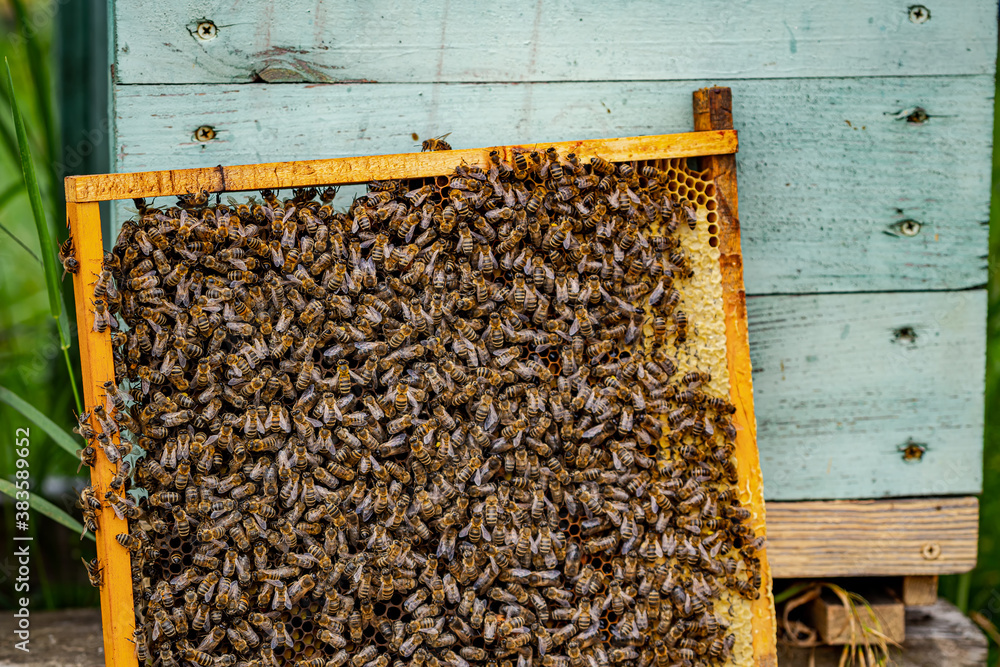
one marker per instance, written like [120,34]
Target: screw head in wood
[917,116]
[930,551]
[909,227]
[206,30]
[204,133]
[912,451]
[919,14]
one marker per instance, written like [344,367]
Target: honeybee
[88,457]
[435,144]
[67,257]
[103,319]
[121,475]
[94,572]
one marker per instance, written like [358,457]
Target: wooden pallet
[715,140]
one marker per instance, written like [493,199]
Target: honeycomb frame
[83,214]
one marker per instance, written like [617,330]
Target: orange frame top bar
[345,171]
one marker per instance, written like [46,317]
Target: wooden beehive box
[865,173]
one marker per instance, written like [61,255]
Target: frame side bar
[97,363]
[344,171]
[713,110]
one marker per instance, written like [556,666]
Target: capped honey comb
[475,419]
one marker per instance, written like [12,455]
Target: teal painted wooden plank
[558,40]
[827,172]
[841,382]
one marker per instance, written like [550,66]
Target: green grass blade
[61,437]
[20,243]
[43,506]
[791,592]
[962,596]
[47,245]
[6,197]
[72,375]
[37,64]
[64,339]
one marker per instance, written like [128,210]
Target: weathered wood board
[559,40]
[835,624]
[828,170]
[870,538]
[842,382]
[919,591]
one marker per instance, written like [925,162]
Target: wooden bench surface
[864,337]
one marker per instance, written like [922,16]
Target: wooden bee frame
[714,141]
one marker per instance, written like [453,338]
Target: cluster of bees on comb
[441,428]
